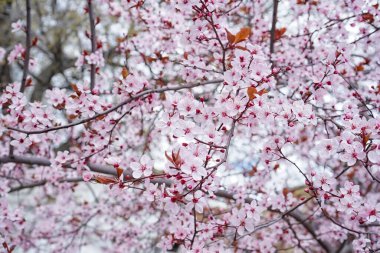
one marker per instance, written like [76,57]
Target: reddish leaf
[230,37]
[34,42]
[175,159]
[368,17]
[72,116]
[162,96]
[262,92]
[251,91]
[28,82]
[124,72]
[242,35]
[285,192]
[75,88]
[359,68]
[121,39]
[105,179]
[119,172]
[168,157]
[279,33]
[101,117]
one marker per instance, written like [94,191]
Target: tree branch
[139,95]
[93,42]
[28,44]
[273,29]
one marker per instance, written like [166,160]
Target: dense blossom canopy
[190,126]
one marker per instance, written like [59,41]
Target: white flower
[194,167]
[20,141]
[17,26]
[144,167]
[240,220]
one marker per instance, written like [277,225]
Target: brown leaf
[262,92]
[105,180]
[168,157]
[230,37]
[119,172]
[162,96]
[285,192]
[368,17]
[279,33]
[124,72]
[175,159]
[120,39]
[72,116]
[60,106]
[75,88]
[34,41]
[253,171]
[28,82]
[359,68]
[251,91]
[101,117]
[242,35]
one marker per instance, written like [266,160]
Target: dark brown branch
[93,42]
[311,231]
[366,36]
[41,183]
[28,45]
[273,29]
[299,241]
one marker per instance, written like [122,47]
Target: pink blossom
[328,147]
[241,222]
[17,51]
[87,176]
[20,141]
[196,201]
[324,180]
[143,168]
[352,153]
[17,26]
[131,84]
[254,210]
[194,168]
[95,59]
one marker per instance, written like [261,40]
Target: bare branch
[273,29]
[93,42]
[28,44]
